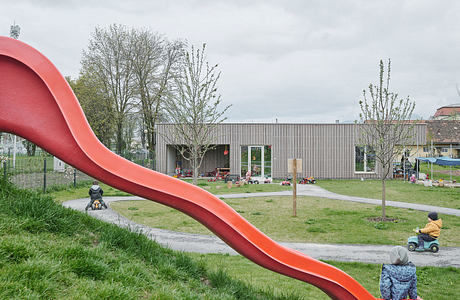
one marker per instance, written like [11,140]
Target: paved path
[447,256]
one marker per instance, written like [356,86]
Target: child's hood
[95,187]
[403,273]
[438,223]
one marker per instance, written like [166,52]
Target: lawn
[219,187]
[396,190]
[318,220]
[70,193]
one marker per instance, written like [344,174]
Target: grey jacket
[95,192]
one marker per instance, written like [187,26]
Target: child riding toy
[412,245]
[427,237]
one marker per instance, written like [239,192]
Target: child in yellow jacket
[431,231]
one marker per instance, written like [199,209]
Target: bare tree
[155,63]
[194,108]
[108,59]
[386,126]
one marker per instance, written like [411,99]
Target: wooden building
[326,150]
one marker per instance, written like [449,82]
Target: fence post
[4,170]
[9,153]
[74,177]
[44,175]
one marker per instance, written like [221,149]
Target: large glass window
[364,159]
[258,159]
[268,161]
[244,160]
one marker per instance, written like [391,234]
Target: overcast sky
[295,61]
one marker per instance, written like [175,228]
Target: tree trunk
[384,215]
[195,168]
[120,138]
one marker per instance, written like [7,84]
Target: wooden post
[294,166]
[294,187]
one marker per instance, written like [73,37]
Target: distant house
[442,139]
[448,112]
[326,150]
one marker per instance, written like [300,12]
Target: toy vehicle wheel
[434,248]
[411,246]
[256,181]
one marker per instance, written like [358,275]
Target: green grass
[396,190]
[51,252]
[70,193]
[220,187]
[318,220]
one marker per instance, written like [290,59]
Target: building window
[364,159]
[268,161]
[426,149]
[258,159]
[445,150]
[244,160]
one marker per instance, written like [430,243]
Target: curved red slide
[36,103]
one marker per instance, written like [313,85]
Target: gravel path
[447,256]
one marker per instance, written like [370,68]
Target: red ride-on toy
[287,181]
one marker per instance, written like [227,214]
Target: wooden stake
[294,187]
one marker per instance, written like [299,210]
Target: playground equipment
[37,103]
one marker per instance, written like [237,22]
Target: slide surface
[36,103]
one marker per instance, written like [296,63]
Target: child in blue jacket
[399,279]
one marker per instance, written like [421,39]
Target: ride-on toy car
[97,205]
[412,244]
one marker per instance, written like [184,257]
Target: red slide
[37,104]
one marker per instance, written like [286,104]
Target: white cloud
[298,61]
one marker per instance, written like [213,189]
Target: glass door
[255,161]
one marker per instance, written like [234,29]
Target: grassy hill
[51,252]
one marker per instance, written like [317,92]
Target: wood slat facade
[326,150]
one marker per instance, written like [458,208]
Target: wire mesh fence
[40,172]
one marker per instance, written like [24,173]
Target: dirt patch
[380,219]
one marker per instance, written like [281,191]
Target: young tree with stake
[385,124]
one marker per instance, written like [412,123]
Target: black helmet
[433,215]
